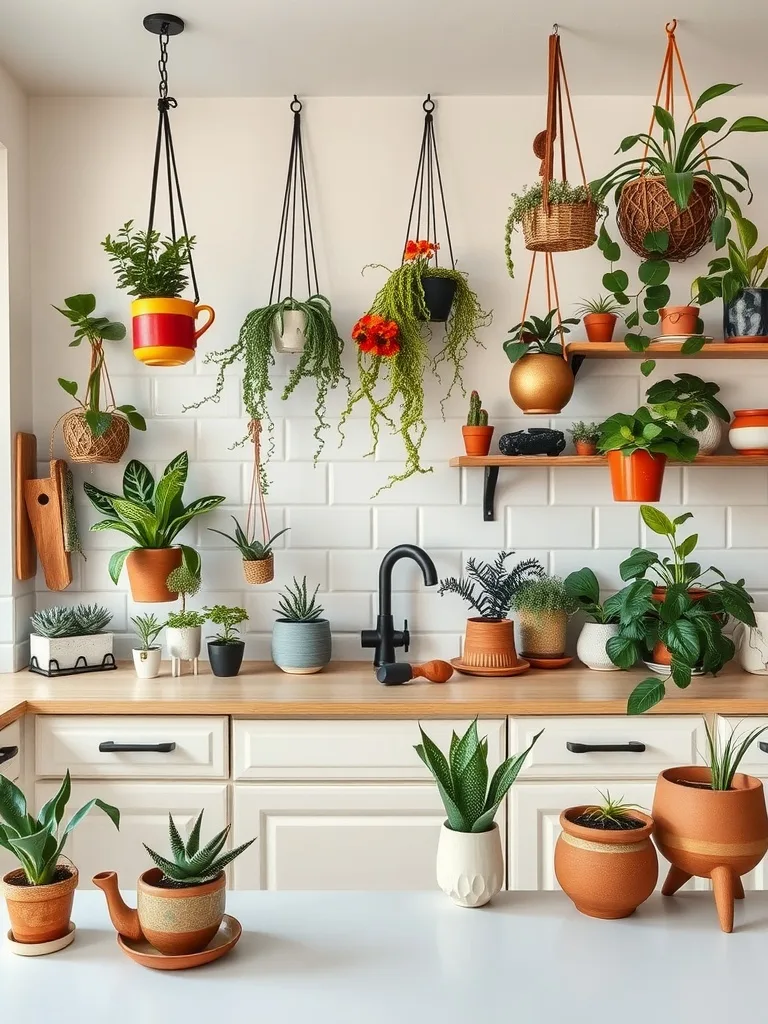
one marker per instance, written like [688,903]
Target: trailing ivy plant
[147,265]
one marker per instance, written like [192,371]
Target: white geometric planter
[65,650]
[710,437]
[147,663]
[470,867]
[291,338]
[590,647]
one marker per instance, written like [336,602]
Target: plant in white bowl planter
[68,639]
[689,403]
[603,623]
[301,638]
[183,630]
[470,866]
[148,655]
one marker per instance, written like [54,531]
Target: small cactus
[473,419]
[482,420]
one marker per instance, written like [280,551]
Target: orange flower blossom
[422,249]
[376,335]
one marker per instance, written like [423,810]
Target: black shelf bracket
[576,362]
[489,493]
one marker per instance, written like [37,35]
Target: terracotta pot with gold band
[164,331]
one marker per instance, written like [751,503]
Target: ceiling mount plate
[160,23]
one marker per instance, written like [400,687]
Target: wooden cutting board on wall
[43,500]
[25,468]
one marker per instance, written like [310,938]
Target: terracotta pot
[709,833]
[636,477]
[607,874]
[679,320]
[490,643]
[749,431]
[477,440]
[600,326]
[541,384]
[164,330]
[148,570]
[542,634]
[585,447]
[40,913]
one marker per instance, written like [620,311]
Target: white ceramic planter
[590,647]
[470,867]
[147,663]
[184,642]
[291,338]
[710,437]
[65,650]
[752,645]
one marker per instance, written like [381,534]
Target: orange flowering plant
[376,335]
[420,250]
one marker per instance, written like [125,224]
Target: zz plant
[190,864]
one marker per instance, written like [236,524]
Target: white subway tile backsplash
[617,526]
[748,528]
[301,443]
[725,486]
[169,398]
[604,564]
[359,570]
[450,528]
[219,440]
[392,526]
[293,483]
[550,527]
[177,435]
[329,528]
[514,487]
[355,484]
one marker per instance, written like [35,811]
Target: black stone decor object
[225,659]
[535,441]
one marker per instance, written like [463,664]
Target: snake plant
[192,865]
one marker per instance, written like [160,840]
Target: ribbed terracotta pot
[541,384]
[600,326]
[607,874]
[179,921]
[490,643]
[542,634]
[40,913]
[716,834]
[148,570]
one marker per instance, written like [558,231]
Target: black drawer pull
[633,747]
[8,754]
[763,746]
[110,747]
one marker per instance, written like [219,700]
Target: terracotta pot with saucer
[489,649]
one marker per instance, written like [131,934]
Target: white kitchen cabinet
[95,845]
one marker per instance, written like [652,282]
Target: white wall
[90,171]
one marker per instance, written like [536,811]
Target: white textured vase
[184,642]
[147,663]
[590,647]
[470,867]
[710,437]
[752,645]
[291,338]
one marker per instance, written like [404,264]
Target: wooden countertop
[349,690]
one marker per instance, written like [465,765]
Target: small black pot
[438,296]
[746,316]
[225,659]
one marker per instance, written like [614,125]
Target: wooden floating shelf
[667,350]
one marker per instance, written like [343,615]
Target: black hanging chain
[164,147]
[423,202]
[295,201]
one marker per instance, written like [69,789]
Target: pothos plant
[535,336]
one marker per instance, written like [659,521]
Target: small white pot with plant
[183,630]
[603,623]
[301,638]
[65,638]
[470,865]
[258,560]
[289,329]
[148,655]
[690,404]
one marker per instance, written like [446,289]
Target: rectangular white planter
[65,650]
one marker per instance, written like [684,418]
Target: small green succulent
[295,604]
[91,618]
[251,550]
[60,621]
[192,865]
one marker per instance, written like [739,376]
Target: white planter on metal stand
[184,644]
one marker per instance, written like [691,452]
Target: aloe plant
[295,604]
[251,550]
[190,865]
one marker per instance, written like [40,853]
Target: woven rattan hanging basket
[645,205]
[261,571]
[83,446]
[566,228]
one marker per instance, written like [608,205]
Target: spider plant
[604,304]
[724,760]
[616,812]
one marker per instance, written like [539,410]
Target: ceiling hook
[555,29]
[671,26]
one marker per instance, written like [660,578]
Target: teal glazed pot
[301,648]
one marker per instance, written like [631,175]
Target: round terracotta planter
[585,447]
[706,833]
[40,913]
[748,433]
[679,320]
[164,332]
[636,477]
[180,921]
[600,326]
[148,570]
[607,874]
[490,643]
[542,634]
[541,384]
[477,440]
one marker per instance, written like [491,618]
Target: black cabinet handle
[763,746]
[8,754]
[110,747]
[632,747]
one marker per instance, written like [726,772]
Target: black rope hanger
[423,202]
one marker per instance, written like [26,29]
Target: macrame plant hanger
[424,199]
[257,570]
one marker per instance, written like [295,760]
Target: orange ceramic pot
[607,874]
[541,384]
[679,320]
[477,440]
[716,834]
[585,447]
[164,331]
[600,326]
[490,643]
[40,913]
[148,570]
[637,476]
[749,431]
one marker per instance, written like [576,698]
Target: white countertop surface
[398,958]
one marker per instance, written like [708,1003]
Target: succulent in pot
[543,606]
[39,895]
[541,379]
[181,901]
[599,317]
[583,589]
[638,446]
[258,559]
[301,637]
[67,639]
[183,633]
[585,437]
[148,655]
[477,434]
[226,649]
[470,866]
[690,403]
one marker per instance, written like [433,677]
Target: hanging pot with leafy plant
[541,380]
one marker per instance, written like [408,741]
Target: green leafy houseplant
[151,514]
[148,629]
[644,431]
[80,620]
[147,266]
[185,583]
[724,760]
[589,433]
[583,591]
[490,588]
[535,336]
[251,550]
[35,842]
[687,400]
[190,864]
[742,268]
[295,604]
[228,618]
[477,416]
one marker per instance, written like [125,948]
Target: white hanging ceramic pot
[470,867]
[184,641]
[590,647]
[709,438]
[147,663]
[291,338]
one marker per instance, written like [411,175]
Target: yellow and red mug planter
[164,331]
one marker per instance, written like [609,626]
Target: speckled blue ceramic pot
[301,647]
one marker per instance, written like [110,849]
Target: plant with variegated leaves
[190,864]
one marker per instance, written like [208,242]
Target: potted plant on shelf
[147,657]
[711,822]
[225,650]
[181,902]
[638,447]
[301,638]
[93,434]
[691,405]
[470,866]
[569,224]
[543,606]
[583,589]
[39,895]
[585,437]
[65,639]
[477,434]
[541,380]
[183,632]
[677,618]
[599,317]
[152,515]
[156,271]
[604,858]
[490,588]
[258,559]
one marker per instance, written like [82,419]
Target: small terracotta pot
[636,477]
[148,570]
[585,447]
[541,384]
[180,921]
[600,326]
[748,433]
[707,833]
[542,634]
[607,874]
[490,643]
[40,913]
[679,320]
[477,440]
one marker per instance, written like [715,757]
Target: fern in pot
[65,639]
[301,637]
[183,632]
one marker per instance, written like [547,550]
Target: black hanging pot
[745,318]
[438,297]
[225,659]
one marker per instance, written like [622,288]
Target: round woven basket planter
[82,446]
[262,571]
[646,205]
[567,227]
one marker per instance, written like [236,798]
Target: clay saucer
[41,948]
[145,954]
[548,662]
[474,670]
